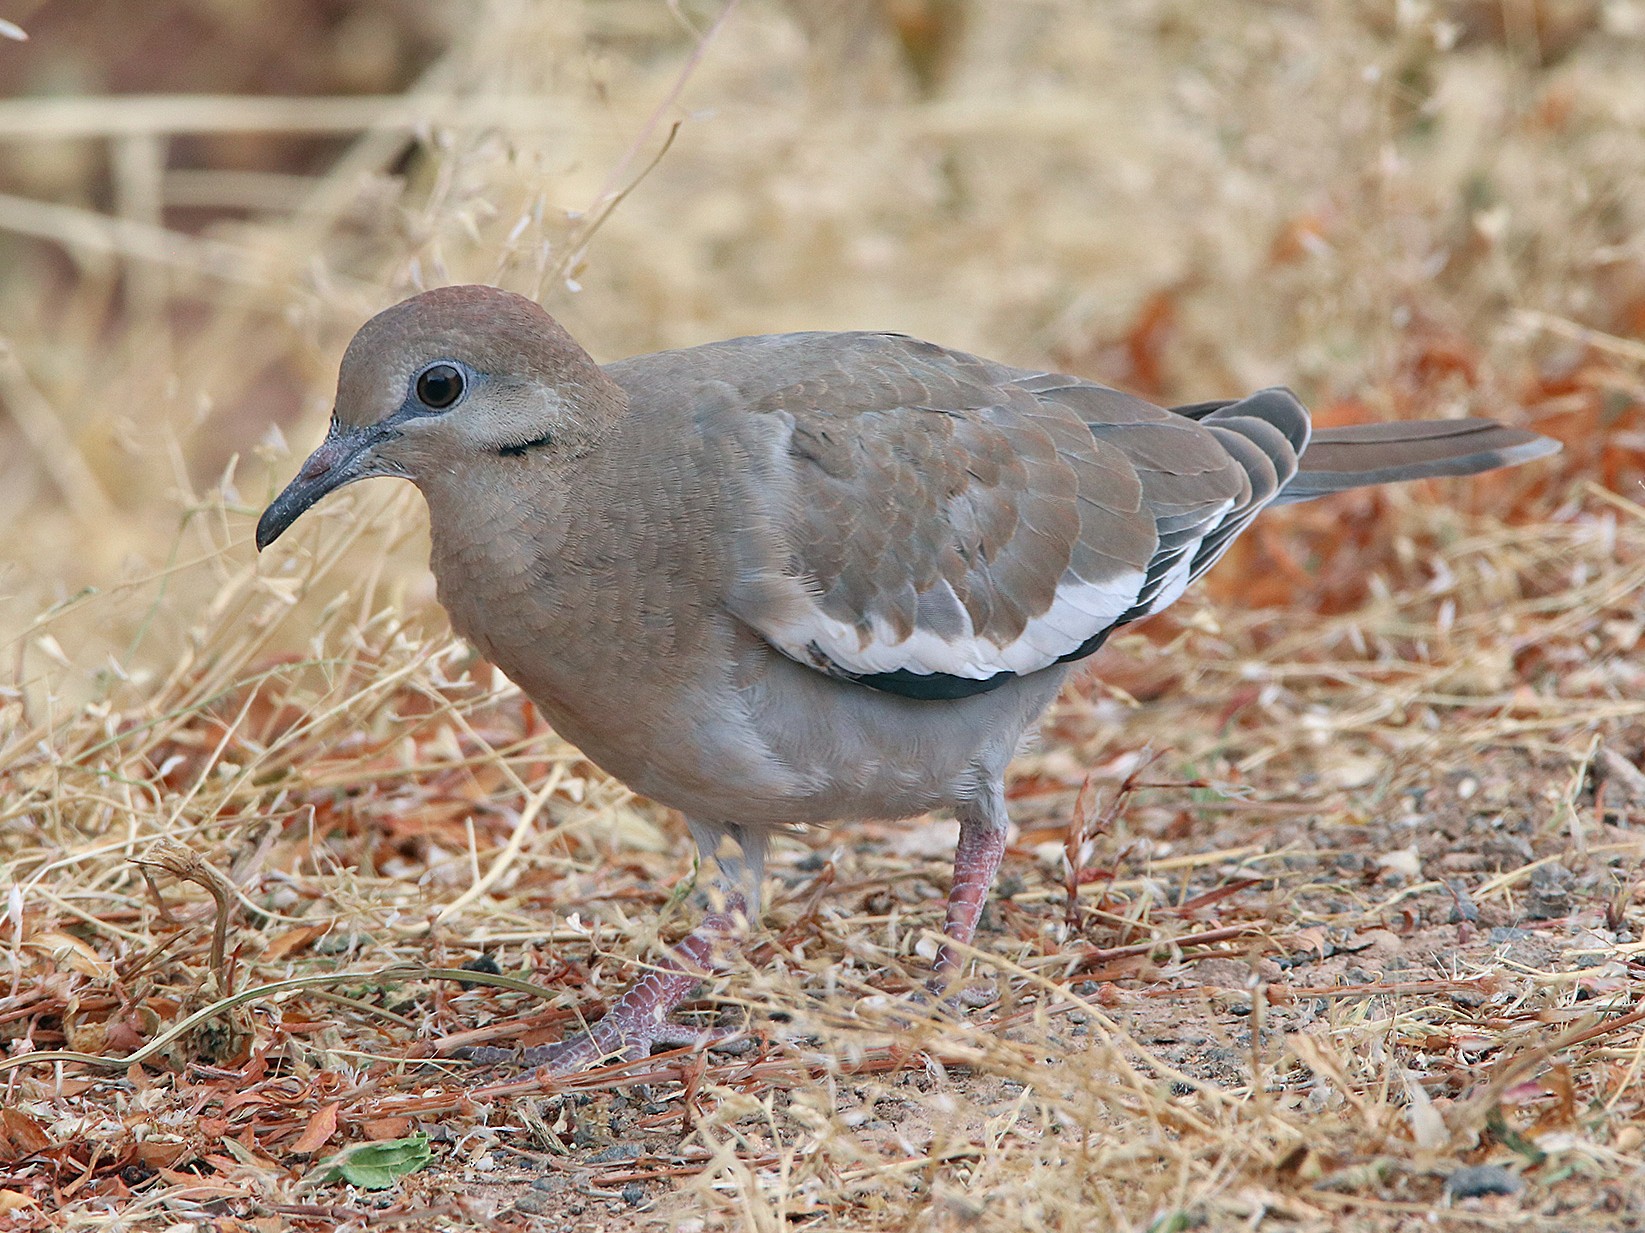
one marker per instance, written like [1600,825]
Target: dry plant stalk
[182,863]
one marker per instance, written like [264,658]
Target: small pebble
[486,964]
[1549,896]
[1476,1181]
[1463,907]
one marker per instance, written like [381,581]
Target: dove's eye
[439,386]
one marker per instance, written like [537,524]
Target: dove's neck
[533,555]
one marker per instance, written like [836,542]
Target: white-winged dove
[806,578]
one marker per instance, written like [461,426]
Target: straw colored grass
[1324,886]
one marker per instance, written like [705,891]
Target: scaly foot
[640,1020]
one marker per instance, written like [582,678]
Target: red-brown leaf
[321,1126]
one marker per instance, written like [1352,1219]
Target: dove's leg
[983,824]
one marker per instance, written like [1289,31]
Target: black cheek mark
[519,451]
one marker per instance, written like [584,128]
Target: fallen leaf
[321,1126]
[70,952]
[28,1134]
[377,1166]
[379,1128]
[161,1153]
[293,940]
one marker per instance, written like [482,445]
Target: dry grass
[1325,883]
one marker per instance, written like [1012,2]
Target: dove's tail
[1336,459]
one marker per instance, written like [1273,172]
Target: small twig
[1082,833]
[1579,836]
[1097,955]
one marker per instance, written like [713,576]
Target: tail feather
[1336,459]
[1352,457]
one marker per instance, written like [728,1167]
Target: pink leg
[976,860]
[640,1017]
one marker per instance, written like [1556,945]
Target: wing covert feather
[931,523]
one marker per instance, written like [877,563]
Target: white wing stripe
[1079,611]
[1182,572]
[1175,581]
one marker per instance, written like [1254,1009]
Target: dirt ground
[1321,907]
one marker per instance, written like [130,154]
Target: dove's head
[447,377]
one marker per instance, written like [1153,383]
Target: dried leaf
[294,940]
[28,1134]
[69,951]
[379,1128]
[12,1200]
[1427,1126]
[321,1126]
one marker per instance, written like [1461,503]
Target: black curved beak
[343,457]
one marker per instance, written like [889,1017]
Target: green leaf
[377,1166]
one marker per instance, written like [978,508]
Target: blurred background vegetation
[1399,209]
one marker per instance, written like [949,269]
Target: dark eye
[439,387]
